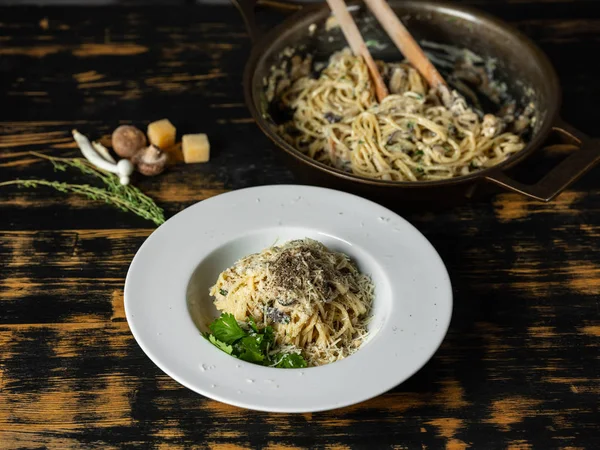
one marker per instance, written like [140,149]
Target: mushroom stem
[150,161]
[103,151]
[123,168]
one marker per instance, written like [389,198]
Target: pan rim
[466,12]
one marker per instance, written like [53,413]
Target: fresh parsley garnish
[226,329]
[223,292]
[222,345]
[289,360]
[252,324]
[250,349]
[252,343]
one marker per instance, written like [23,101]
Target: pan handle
[247,7]
[564,174]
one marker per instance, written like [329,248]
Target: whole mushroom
[127,140]
[150,161]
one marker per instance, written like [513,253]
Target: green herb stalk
[126,198]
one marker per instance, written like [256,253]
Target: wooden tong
[399,35]
[357,44]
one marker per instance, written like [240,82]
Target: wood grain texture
[519,367]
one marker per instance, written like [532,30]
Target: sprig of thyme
[127,198]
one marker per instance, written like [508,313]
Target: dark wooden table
[518,369]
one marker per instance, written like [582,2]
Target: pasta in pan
[414,134]
[316,300]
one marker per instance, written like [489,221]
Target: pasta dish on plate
[414,134]
[315,300]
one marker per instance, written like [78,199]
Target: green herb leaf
[269,338]
[252,324]
[253,345]
[223,292]
[250,348]
[290,360]
[220,345]
[419,153]
[126,198]
[226,329]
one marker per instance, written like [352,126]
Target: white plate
[167,301]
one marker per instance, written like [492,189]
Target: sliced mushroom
[286,301]
[331,117]
[300,67]
[398,80]
[150,161]
[277,315]
[491,126]
[521,124]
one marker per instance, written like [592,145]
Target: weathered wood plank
[97,383]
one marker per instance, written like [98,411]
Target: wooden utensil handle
[405,42]
[357,44]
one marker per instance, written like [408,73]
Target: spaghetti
[414,134]
[316,300]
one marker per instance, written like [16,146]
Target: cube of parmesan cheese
[196,148]
[162,133]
